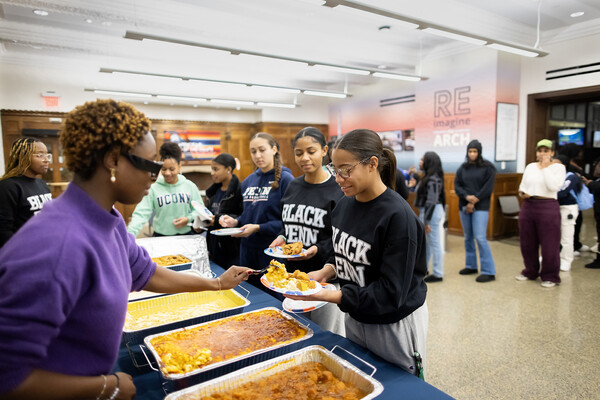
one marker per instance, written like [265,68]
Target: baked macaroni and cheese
[190,349]
[167,261]
[279,277]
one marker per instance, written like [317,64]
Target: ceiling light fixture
[88,20]
[116,93]
[396,76]
[577,14]
[144,36]
[238,102]
[325,94]
[424,25]
[455,36]
[182,98]
[278,105]
[41,13]
[190,78]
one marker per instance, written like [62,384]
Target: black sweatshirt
[20,198]
[477,181]
[430,192]
[306,214]
[379,255]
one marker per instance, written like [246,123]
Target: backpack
[585,200]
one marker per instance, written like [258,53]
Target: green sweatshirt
[169,202]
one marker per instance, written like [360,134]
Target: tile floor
[515,340]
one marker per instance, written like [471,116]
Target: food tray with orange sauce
[160,314]
[341,369]
[235,341]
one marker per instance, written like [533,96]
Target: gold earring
[113,178]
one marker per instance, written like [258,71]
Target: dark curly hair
[96,128]
[170,150]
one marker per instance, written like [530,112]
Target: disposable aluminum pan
[136,336]
[341,368]
[246,359]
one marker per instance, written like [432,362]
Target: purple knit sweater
[64,281]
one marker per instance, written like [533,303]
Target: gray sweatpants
[395,342]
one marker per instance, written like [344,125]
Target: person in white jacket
[539,218]
[169,198]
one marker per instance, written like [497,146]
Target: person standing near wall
[539,218]
[170,198]
[22,193]
[430,201]
[474,185]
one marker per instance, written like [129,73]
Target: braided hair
[276,157]
[19,159]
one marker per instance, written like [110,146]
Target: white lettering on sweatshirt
[351,256]
[37,201]
[257,193]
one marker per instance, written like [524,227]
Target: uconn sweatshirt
[379,255]
[262,206]
[306,213]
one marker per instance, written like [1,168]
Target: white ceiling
[300,29]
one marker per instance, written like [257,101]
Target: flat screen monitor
[596,142]
[570,135]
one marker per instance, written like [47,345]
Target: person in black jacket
[594,187]
[224,198]
[474,184]
[379,255]
[22,193]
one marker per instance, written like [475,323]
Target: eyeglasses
[145,165]
[43,156]
[344,172]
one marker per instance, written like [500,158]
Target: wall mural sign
[196,145]
[452,117]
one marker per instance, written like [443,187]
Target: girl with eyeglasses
[262,192]
[306,214]
[379,255]
[22,193]
[66,275]
[169,198]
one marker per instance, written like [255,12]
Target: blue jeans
[434,239]
[474,227]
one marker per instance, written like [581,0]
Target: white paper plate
[301,306]
[226,231]
[204,212]
[277,252]
[265,281]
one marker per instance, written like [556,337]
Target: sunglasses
[145,165]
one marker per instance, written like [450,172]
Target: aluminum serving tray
[136,336]
[342,369]
[247,359]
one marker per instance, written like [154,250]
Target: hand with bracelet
[117,386]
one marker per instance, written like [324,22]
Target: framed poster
[507,121]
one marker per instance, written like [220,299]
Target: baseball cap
[544,143]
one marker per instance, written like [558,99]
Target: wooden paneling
[498,226]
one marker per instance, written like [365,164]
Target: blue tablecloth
[397,382]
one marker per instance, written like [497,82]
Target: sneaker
[485,278]
[594,264]
[548,284]
[565,269]
[576,253]
[521,278]
[467,271]
[594,248]
[433,278]
[584,248]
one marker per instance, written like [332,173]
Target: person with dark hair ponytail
[379,255]
[306,213]
[224,198]
[170,198]
[431,200]
[22,193]
[262,192]
[474,185]
[567,202]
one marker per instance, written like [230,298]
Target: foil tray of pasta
[194,349]
[160,314]
[311,373]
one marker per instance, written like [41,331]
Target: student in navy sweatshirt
[306,214]
[262,192]
[65,276]
[22,193]
[379,255]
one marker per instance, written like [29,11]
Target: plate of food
[302,306]
[291,250]
[227,231]
[297,283]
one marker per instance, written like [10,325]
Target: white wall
[580,51]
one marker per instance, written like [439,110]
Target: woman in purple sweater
[65,276]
